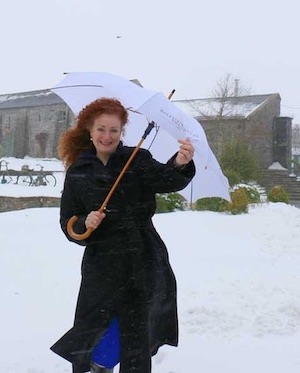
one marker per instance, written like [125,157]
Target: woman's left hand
[185,153]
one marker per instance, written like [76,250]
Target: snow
[17,96]
[211,107]
[295,151]
[18,190]
[277,166]
[238,288]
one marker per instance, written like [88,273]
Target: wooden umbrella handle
[75,235]
[73,219]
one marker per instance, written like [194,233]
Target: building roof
[29,99]
[232,107]
[34,98]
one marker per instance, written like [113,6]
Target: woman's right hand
[94,219]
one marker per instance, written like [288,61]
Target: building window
[61,116]
[8,123]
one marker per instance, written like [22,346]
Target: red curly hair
[77,138]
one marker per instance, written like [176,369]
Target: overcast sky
[188,45]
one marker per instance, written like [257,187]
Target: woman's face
[106,134]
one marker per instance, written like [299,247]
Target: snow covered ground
[238,288]
[19,190]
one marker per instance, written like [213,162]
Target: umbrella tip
[171,94]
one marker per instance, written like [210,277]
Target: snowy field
[238,288]
[19,190]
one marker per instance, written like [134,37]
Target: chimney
[236,87]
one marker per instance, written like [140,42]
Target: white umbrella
[79,89]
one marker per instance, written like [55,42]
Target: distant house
[31,123]
[254,119]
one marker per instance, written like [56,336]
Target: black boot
[95,368]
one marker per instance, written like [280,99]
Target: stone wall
[33,131]
[256,130]
[20,203]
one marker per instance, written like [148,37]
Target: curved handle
[75,235]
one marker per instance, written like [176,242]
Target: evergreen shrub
[233,176]
[2,151]
[238,161]
[168,202]
[239,202]
[211,204]
[278,194]
[252,193]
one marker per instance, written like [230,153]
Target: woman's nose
[106,134]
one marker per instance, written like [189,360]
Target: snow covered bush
[168,202]
[252,193]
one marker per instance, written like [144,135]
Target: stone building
[254,119]
[31,123]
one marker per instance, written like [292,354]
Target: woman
[128,289]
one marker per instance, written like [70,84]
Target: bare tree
[296,136]
[222,98]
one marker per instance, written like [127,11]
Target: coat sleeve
[165,178]
[70,205]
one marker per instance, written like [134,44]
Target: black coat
[125,268]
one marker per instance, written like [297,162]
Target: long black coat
[125,268]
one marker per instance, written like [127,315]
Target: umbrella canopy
[80,89]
